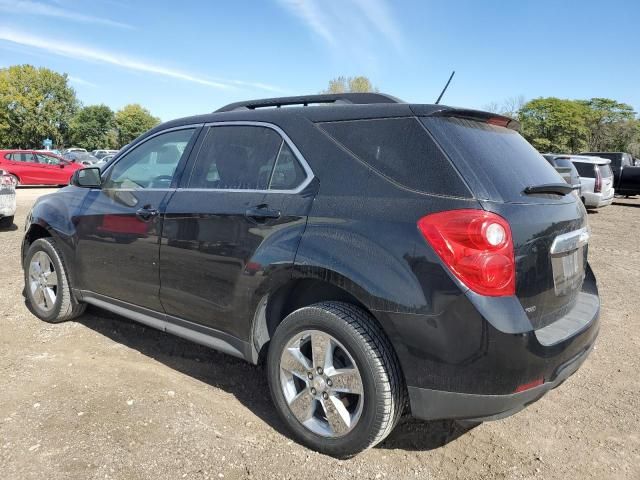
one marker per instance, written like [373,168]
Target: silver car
[7,199]
[596,180]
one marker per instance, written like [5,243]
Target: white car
[7,199]
[596,180]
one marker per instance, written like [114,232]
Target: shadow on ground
[244,381]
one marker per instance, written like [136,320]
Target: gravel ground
[106,398]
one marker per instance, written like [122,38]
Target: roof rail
[305,100]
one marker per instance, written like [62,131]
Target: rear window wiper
[556,188]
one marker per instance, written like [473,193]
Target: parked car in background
[323,241]
[73,149]
[566,169]
[101,153]
[625,174]
[82,158]
[104,160]
[596,179]
[30,167]
[7,199]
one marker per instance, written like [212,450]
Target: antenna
[445,87]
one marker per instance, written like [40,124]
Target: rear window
[585,169]
[496,161]
[402,150]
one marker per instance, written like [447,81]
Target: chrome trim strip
[570,241]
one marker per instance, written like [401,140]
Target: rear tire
[349,415]
[6,222]
[47,286]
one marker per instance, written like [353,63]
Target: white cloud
[349,24]
[28,7]
[81,52]
[80,81]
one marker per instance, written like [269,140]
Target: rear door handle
[146,213]
[261,213]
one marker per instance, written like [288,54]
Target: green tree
[605,120]
[133,120]
[91,127]
[555,125]
[344,84]
[35,103]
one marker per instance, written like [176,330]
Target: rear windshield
[496,161]
[401,150]
[585,169]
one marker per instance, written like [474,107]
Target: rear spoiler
[477,115]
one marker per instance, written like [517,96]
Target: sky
[194,56]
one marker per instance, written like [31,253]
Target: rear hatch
[549,229]
[606,174]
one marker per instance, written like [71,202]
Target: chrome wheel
[43,281]
[321,383]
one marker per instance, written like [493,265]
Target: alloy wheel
[43,281]
[321,383]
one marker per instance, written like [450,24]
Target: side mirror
[87,178]
[61,164]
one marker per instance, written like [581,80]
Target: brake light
[597,188]
[498,121]
[476,246]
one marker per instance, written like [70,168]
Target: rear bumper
[428,404]
[597,200]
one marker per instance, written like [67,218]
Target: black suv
[380,257]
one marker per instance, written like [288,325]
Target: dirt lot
[107,398]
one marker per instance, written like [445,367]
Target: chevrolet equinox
[379,257]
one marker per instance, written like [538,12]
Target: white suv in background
[596,180]
[7,199]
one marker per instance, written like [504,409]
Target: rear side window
[288,173]
[21,157]
[497,162]
[605,171]
[585,169]
[402,150]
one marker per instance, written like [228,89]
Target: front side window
[47,159]
[236,157]
[152,164]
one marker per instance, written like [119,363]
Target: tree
[35,103]
[555,125]
[91,127]
[604,120]
[510,107]
[132,121]
[344,84]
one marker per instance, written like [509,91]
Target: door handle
[262,213]
[146,213]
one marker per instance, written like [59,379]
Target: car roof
[352,106]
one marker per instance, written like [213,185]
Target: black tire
[6,222]
[384,396]
[65,307]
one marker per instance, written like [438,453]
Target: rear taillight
[476,246]
[597,187]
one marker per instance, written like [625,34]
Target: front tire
[47,285]
[335,379]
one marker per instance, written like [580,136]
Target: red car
[30,167]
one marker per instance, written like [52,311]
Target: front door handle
[262,213]
[146,213]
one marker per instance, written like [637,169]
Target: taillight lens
[597,187]
[476,246]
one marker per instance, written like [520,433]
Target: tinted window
[563,162]
[236,157]
[585,169]
[152,164]
[288,173]
[496,161]
[401,150]
[21,157]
